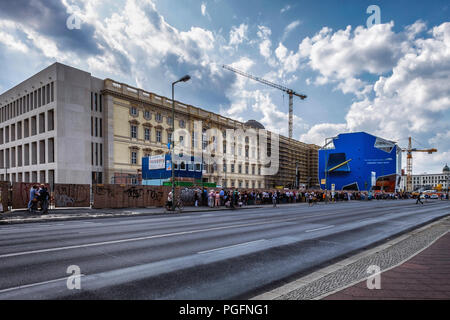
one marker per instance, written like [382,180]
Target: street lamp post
[172,142]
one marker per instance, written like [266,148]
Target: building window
[158,117]
[204,140]
[182,123]
[133,131]
[158,136]
[134,111]
[182,141]
[50,120]
[246,169]
[147,134]
[240,168]
[51,151]
[147,114]
[224,167]
[169,120]
[133,157]
[101,154]
[232,168]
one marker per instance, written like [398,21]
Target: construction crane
[290,92]
[409,158]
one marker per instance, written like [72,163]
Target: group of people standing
[236,198]
[39,197]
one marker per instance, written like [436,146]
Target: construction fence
[17,195]
[101,196]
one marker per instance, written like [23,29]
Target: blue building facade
[359,161]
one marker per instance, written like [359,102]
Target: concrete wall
[73,147]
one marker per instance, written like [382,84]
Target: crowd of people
[237,198]
[39,199]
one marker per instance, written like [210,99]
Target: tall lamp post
[184,79]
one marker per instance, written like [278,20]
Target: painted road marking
[232,246]
[35,284]
[323,228]
[139,238]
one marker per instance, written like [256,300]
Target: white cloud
[289,61]
[265,45]
[344,55]
[289,28]
[238,34]
[412,93]
[203,9]
[285,8]
[204,12]
[319,132]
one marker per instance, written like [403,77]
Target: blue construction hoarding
[158,169]
[359,161]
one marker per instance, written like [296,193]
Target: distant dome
[254,124]
[446,169]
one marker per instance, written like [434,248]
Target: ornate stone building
[81,129]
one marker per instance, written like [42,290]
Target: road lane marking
[323,228]
[138,239]
[235,245]
[35,284]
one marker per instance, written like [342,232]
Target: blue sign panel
[160,167]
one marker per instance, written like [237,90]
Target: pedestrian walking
[169,201]
[196,198]
[274,199]
[43,198]
[34,194]
[418,199]
[310,199]
[217,196]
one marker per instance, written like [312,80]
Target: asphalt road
[208,255]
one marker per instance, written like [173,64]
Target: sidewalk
[424,276]
[414,265]
[59,214]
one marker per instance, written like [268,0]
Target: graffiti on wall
[72,195]
[126,196]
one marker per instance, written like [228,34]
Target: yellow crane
[409,158]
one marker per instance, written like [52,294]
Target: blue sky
[391,79]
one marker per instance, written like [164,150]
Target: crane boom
[290,92]
[266,82]
[409,158]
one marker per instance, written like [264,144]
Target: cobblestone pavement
[426,275]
